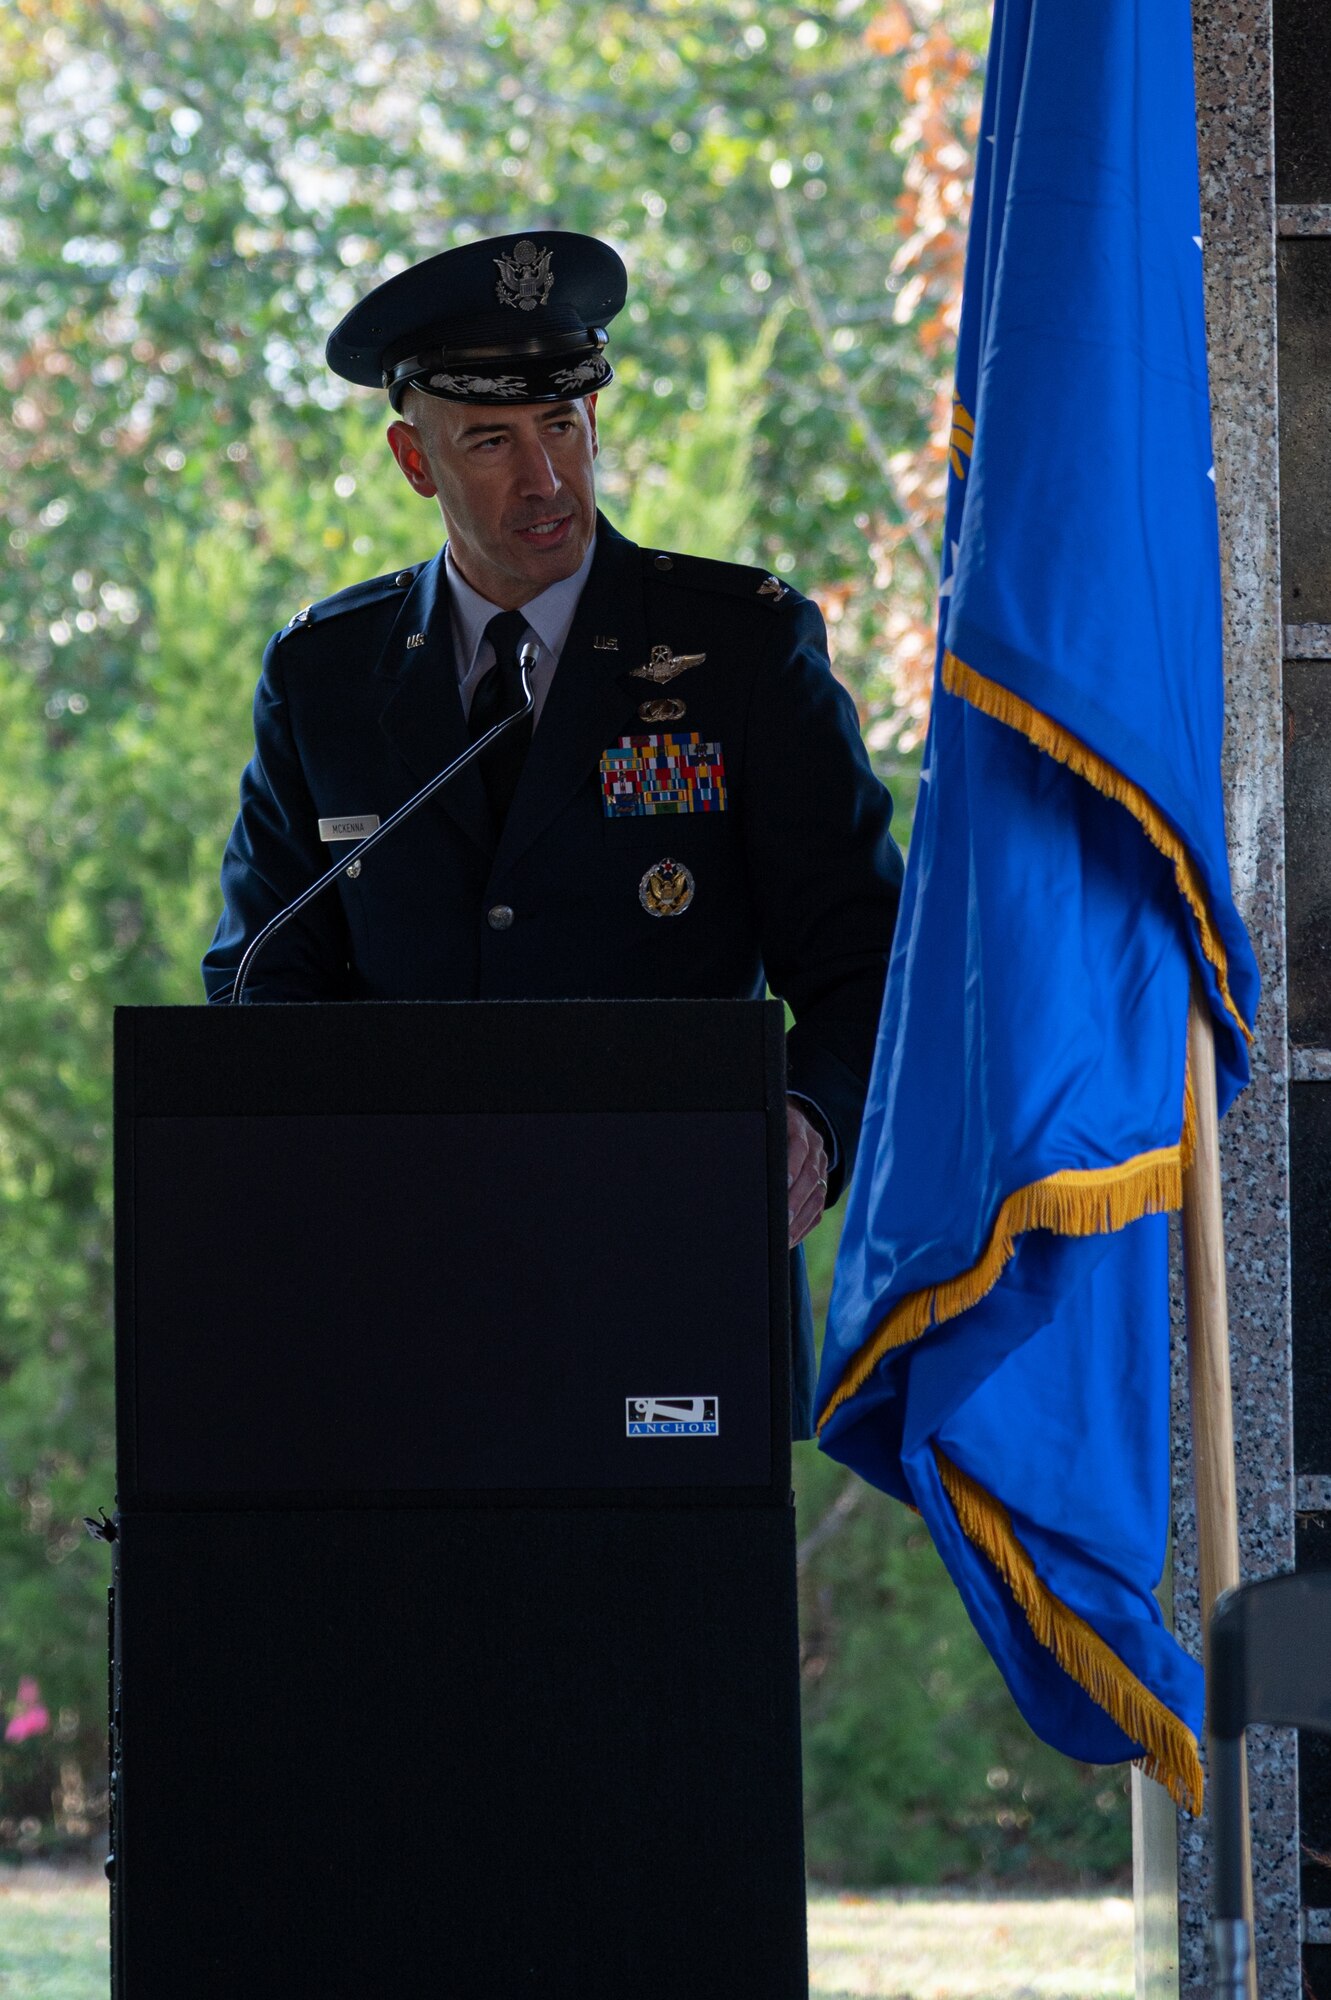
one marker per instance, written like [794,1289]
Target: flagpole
[1210,1390]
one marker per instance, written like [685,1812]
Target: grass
[931,1945]
[892,1945]
[52,1935]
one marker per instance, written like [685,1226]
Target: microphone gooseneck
[528,654]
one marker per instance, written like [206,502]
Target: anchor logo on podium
[672,1416]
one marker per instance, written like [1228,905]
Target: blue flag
[998,1344]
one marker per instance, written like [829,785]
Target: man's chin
[521,566]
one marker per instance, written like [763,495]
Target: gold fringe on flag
[1169,1747]
[1065,748]
[1077,1202]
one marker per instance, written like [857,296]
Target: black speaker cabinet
[455,1642]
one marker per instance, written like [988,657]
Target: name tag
[642,776]
[354,826]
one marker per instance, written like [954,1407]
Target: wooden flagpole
[1210,1391]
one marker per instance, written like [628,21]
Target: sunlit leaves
[192,192]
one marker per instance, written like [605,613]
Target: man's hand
[806,1173]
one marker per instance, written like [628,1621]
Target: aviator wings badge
[664,665]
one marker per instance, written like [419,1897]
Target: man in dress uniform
[689,811]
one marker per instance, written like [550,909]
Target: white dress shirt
[548,617]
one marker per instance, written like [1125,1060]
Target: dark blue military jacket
[795,878]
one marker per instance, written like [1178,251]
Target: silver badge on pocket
[666,890]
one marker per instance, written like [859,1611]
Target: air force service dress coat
[792,870]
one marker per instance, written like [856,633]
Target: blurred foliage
[917,1767]
[191,193]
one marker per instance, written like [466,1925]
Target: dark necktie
[497,694]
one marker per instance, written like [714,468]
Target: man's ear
[590,402]
[404,441]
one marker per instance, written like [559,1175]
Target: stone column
[1233,40]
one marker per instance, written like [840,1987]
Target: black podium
[454,1623]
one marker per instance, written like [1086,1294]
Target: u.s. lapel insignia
[604,643]
[664,665]
[666,890]
[415,640]
[664,709]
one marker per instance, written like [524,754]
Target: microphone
[528,654]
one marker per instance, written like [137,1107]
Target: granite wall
[1264,84]
[1303,262]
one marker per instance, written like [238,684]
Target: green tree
[191,193]
[917,1767]
[701,496]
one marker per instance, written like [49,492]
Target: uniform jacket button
[664,562]
[403,578]
[500,918]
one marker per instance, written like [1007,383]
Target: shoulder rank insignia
[664,665]
[741,580]
[376,590]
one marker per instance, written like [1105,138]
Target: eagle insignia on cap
[526,277]
[433,327]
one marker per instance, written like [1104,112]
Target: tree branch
[840,1511]
[850,395]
